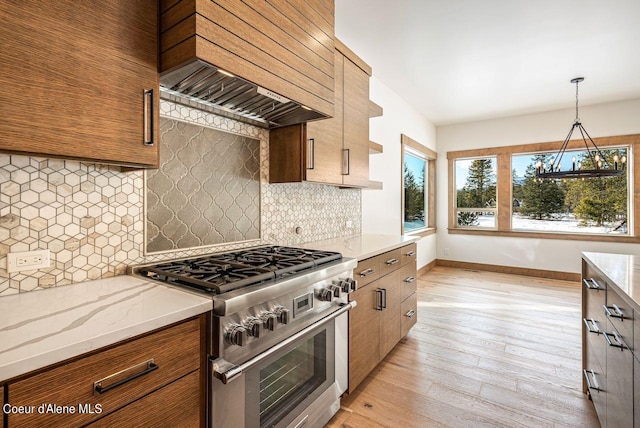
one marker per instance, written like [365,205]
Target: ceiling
[464,60]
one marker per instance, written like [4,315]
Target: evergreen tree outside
[479,190]
[599,200]
[541,198]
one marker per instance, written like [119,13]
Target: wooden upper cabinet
[285,46]
[324,138]
[74,76]
[356,134]
[331,151]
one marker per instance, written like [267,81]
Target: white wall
[602,120]
[381,208]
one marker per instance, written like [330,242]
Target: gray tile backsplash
[92,219]
[206,191]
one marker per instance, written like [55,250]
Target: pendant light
[601,167]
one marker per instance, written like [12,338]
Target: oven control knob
[254,327]
[345,286]
[236,335]
[269,319]
[337,290]
[283,314]
[353,284]
[325,294]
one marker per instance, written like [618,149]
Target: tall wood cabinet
[384,314]
[331,151]
[80,80]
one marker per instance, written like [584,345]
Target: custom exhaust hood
[266,64]
[204,86]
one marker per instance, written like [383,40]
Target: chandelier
[600,166]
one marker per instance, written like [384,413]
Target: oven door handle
[227,372]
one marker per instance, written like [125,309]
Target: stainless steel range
[278,332]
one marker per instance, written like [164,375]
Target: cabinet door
[324,138]
[619,384]
[356,126]
[1,405]
[390,321]
[364,349]
[74,75]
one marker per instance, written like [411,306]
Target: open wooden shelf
[375,148]
[374,109]
[375,185]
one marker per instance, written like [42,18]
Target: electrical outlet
[446,251]
[28,260]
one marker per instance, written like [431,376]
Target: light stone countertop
[623,270]
[45,327]
[362,246]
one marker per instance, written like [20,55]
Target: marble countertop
[623,270]
[362,246]
[45,327]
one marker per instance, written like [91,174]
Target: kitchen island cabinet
[330,151]
[80,80]
[610,334]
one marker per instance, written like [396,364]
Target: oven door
[292,382]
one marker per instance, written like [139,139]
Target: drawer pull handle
[392,261]
[593,286]
[593,322]
[410,254]
[410,314]
[595,385]
[379,299]
[618,313]
[618,344]
[150,366]
[366,272]
[409,280]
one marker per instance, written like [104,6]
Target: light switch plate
[28,260]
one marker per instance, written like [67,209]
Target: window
[494,191]
[418,191]
[591,205]
[476,192]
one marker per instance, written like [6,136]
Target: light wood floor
[489,350]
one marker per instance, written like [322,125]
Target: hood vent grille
[203,86]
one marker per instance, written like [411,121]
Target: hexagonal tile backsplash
[91,216]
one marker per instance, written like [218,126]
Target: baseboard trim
[426,268]
[539,273]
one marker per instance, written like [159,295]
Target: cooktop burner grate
[220,273]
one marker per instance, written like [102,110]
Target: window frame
[504,188]
[430,156]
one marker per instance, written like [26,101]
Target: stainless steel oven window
[284,385]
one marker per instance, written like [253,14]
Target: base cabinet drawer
[619,382]
[409,311]
[108,379]
[596,382]
[176,405]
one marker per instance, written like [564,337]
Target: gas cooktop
[220,273]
